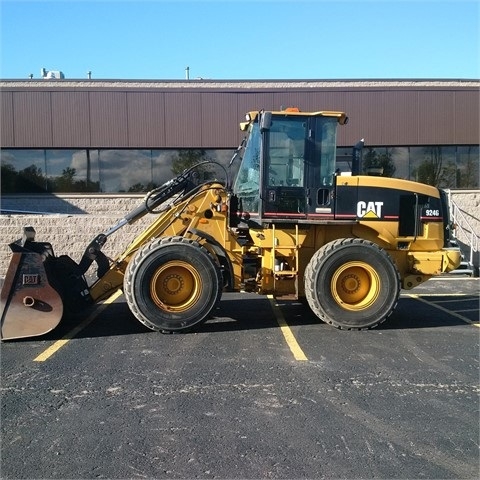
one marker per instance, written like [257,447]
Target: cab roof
[294,111]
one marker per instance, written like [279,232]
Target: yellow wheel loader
[288,223]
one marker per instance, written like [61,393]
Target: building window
[140,170]
[41,171]
[468,163]
[102,170]
[433,165]
[454,167]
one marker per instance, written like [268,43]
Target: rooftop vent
[49,74]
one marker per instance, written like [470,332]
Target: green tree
[9,178]
[31,180]
[65,182]
[86,186]
[140,187]
[468,177]
[448,177]
[429,171]
[188,158]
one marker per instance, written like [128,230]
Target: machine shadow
[237,312]
[412,314]
[232,314]
[409,314]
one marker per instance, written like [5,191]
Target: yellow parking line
[439,295]
[433,304]
[287,333]
[46,354]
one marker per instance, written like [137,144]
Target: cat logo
[30,279]
[369,209]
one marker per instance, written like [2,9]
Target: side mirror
[265,121]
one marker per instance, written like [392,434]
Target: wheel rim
[175,286]
[355,286]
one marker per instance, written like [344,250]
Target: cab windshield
[247,183]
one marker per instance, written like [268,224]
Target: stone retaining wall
[78,219]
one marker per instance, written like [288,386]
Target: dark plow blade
[30,306]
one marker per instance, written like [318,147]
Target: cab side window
[286,153]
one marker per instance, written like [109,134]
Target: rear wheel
[172,284]
[352,284]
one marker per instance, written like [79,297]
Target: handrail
[461,222]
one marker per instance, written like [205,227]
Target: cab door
[320,167]
[284,173]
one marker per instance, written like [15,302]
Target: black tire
[352,284]
[172,284]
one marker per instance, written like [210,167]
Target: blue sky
[248,39]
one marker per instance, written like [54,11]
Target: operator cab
[288,166]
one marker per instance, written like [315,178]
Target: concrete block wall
[68,234]
[78,219]
[90,204]
[468,201]
[467,206]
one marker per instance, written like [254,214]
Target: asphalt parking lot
[262,390]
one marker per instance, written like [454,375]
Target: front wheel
[352,284]
[172,284]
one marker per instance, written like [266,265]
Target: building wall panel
[249,102]
[146,119]
[307,102]
[400,117]
[32,119]
[313,101]
[365,112]
[435,118]
[218,126]
[6,126]
[466,117]
[118,114]
[183,111]
[70,119]
[108,119]
[254,100]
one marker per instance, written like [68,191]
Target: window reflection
[125,170]
[140,170]
[433,165]
[70,171]
[468,162]
[401,159]
[442,166]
